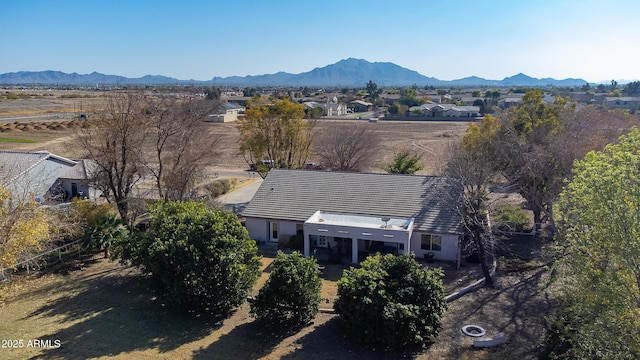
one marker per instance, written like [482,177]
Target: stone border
[476,285]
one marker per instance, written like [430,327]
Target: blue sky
[592,40]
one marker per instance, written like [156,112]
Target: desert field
[50,122]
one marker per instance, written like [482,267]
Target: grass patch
[14,140]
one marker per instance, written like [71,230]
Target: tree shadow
[115,313]
[331,341]
[515,307]
[251,340]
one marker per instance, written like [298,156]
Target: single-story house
[433,110]
[226,112]
[360,105]
[43,176]
[355,214]
[625,102]
[75,182]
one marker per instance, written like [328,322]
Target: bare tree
[182,143]
[474,162]
[116,141]
[347,147]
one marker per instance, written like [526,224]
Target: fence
[514,228]
[27,263]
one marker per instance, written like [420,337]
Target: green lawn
[14,140]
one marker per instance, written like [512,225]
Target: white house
[329,109]
[355,214]
[42,176]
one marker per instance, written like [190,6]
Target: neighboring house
[355,214]
[42,175]
[226,112]
[628,103]
[433,110]
[360,106]
[329,109]
[75,182]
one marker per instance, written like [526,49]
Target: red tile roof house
[356,214]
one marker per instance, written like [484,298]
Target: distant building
[433,110]
[360,106]
[627,103]
[329,109]
[226,112]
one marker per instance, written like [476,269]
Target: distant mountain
[349,72]
[60,78]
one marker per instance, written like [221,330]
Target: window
[322,241]
[299,229]
[431,242]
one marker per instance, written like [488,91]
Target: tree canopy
[599,223]
[276,132]
[24,229]
[405,162]
[292,293]
[391,300]
[198,259]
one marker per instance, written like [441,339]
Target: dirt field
[47,119]
[100,309]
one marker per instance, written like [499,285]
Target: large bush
[198,258]
[510,217]
[391,300]
[292,293]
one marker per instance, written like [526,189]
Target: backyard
[98,308]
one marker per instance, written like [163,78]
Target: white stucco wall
[450,244]
[259,228]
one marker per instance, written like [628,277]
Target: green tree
[476,93]
[405,162]
[212,93]
[615,93]
[373,91]
[197,259]
[391,300]
[276,131]
[105,232]
[632,88]
[408,97]
[599,224]
[531,159]
[292,293]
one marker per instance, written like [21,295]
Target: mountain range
[349,72]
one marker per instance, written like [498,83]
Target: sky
[493,39]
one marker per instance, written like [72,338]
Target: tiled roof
[33,173]
[434,202]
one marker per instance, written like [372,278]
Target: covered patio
[353,234]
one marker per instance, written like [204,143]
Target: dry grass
[100,309]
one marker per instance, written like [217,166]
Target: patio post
[354,250]
[307,244]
